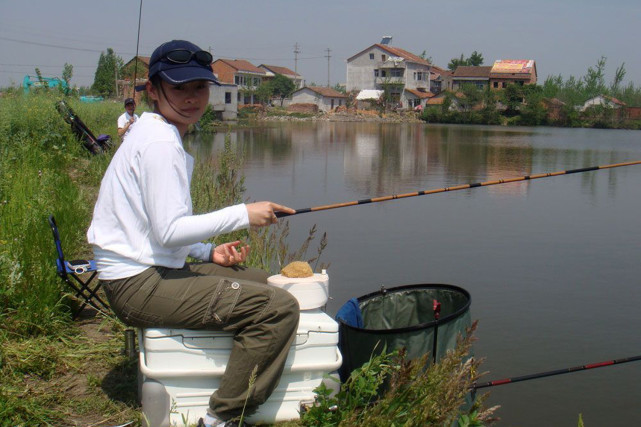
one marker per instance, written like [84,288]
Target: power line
[49,45]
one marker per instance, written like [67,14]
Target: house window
[227,97]
[237,80]
[375,73]
[496,85]
[383,58]
[397,72]
[371,56]
[383,73]
[503,85]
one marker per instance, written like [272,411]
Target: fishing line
[455,188]
[557,372]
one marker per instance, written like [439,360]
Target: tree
[618,78]
[475,59]
[264,92]
[425,57]
[40,79]
[67,73]
[595,79]
[456,62]
[282,87]
[109,66]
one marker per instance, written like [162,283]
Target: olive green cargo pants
[207,296]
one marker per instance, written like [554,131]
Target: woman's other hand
[228,254]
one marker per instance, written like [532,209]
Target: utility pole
[328,56]
[296,52]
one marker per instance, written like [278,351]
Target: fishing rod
[133,85]
[557,372]
[455,188]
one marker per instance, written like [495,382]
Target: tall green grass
[44,170]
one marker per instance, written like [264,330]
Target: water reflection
[380,159]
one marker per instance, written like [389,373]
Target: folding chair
[77,270]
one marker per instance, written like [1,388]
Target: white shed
[325,98]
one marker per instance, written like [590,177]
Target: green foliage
[44,170]
[209,121]
[107,72]
[390,390]
[67,73]
[282,87]
[265,92]
[475,59]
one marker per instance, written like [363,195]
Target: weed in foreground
[392,391]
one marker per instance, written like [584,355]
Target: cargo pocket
[222,302]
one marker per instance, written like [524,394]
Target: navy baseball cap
[129,101]
[180,61]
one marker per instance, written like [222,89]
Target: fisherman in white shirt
[127,118]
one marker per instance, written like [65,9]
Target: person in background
[127,118]
[143,230]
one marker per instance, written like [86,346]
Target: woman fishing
[143,230]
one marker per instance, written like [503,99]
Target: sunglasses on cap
[184,56]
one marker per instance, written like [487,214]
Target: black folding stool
[76,270]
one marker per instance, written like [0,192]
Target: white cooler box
[181,368]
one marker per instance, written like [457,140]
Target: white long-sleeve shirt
[143,216]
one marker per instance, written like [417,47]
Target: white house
[224,100]
[604,101]
[325,98]
[383,67]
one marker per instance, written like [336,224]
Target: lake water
[552,264]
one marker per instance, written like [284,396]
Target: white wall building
[325,98]
[392,69]
[224,100]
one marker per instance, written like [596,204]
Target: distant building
[272,70]
[465,75]
[242,73]
[223,100]
[141,71]
[383,67]
[440,79]
[517,71]
[604,101]
[325,98]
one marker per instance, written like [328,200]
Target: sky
[564,37]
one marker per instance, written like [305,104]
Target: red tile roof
[243,66]
[420,94]
[325,91]
[280,70]
[403,54]
[472,72]
[395,51]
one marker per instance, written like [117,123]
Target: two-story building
[272,70]
[507,71]
[242,73]
[478,76]
[399,73]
